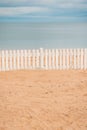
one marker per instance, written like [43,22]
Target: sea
[24,35]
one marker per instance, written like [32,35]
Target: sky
[43,10]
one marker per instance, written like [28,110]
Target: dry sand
[43,100]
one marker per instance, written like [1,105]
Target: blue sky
[43,10]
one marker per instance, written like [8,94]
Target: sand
[43,100]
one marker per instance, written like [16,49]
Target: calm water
[46,35]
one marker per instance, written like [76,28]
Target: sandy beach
[43,100]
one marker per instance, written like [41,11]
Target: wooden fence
[43,59]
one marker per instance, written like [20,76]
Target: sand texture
[43,100]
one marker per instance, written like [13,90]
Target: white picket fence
[43,59]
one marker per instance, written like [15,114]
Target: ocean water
[43,35]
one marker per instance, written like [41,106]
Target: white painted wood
[64,55]
[49,59]
[25,59]
[85,59]
[6,56]
[70,58]
[74,58]
[22,59]
[56,59]
[33,59]
[2,61]
[41,58]
[18,59]
[53,61]
[81,61]
[78,58]
[14,60]
[67,58]
[60,58]
[46,59]
[10,55]
[29,59]
[37,59]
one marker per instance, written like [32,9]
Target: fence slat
[25,59]
[10,55]
[37,59]
[64,54]
[60,59]
[78,59]
[53,61]
[81,61]
[14,60]
[70,64]
[49,59]
[33,59]
[29,59]
[85,58]
[2,61]
[57,59]
[18,59]
[6,56]
[41,58]
[74,58]
[67,59]
[46,59]
[21,60]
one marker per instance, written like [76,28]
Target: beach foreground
[43,100]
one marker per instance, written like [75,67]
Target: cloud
[42,1]
[10,11]
[43,8]
[49,3]
[72,5]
